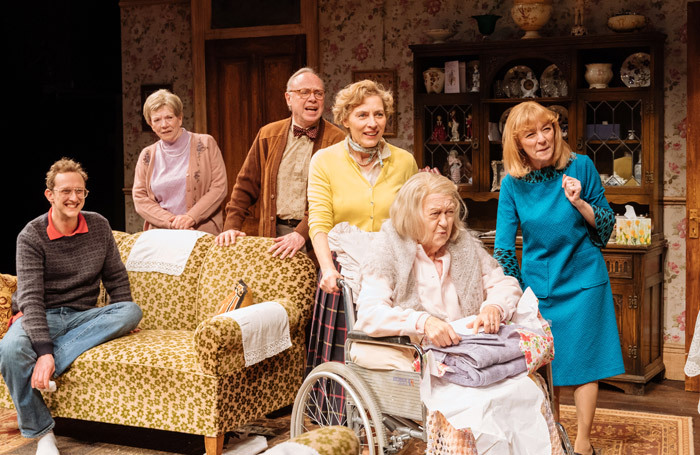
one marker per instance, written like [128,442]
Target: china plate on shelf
[562,111]
[513,78]
[553,83]
[563,119]
[504,117]
[636,71]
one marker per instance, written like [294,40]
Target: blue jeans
[73,332]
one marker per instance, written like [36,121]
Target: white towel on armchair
[162,250]
[264,329]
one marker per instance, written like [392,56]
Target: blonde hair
[63,166]
[354,94]
[406,212]
[161,98]
[521,118]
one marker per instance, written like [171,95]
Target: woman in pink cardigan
[180,181]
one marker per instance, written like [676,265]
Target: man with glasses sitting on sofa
[276,169]
[62,256]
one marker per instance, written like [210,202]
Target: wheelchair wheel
[332,394]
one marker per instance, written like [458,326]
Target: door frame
[202,31]
[692,151]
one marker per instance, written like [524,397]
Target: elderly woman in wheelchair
[425,277]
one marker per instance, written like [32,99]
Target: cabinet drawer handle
[579,143]
[632,302]
[475,143]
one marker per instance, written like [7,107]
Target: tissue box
[603,131]
[633,232]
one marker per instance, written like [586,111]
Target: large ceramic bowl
[438,35]
[627,22]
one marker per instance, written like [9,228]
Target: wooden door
[246,79]
[692,202]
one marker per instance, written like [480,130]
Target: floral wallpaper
[156,49]
[375,34]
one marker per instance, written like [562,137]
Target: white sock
[47,445]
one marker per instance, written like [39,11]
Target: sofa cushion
[168,301]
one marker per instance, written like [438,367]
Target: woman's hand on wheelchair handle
[440,333]
[329,278]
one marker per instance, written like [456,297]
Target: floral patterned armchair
[184,371]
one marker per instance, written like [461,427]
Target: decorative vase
[486,23]
[434,79]
[598,74]
[531,15]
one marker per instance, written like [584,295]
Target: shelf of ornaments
[539,99]
[436,143]
[465,192]
[445,99]
[612,141]
[616,89]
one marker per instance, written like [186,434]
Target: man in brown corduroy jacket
[275,172]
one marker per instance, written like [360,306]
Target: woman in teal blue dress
[557,199]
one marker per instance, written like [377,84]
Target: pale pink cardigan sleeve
[376,315]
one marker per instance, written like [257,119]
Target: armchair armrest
[8,285]
[218,341]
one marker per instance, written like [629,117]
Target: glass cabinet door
[449,141]
[612,136]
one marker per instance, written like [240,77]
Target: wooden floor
[89,438]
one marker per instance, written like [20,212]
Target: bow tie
[310,132]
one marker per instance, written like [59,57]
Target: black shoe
[595,452]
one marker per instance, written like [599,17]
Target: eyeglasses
[82,193]
[304,93]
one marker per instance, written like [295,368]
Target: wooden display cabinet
[619,127]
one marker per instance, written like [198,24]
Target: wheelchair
[383,408]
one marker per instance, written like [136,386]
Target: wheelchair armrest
[356,335]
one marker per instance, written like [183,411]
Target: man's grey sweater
[65,272]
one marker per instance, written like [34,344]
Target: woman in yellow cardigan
[356,181]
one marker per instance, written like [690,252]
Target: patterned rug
[635,433]
[618,432]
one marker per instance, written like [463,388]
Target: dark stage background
[62,67]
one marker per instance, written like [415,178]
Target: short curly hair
[354,94]
[63,166]
[161,98]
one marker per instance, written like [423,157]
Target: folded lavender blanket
[483,359]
